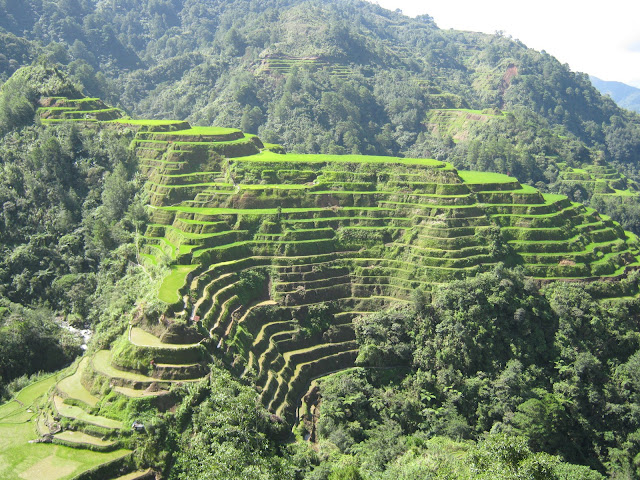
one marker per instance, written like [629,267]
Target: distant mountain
[624,95]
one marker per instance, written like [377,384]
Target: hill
[418,268]
[263,259]
[624,95]
[341,77]
[323,68]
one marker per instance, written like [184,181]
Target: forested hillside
[413,290]
[339,77]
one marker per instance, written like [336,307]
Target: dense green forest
[71,206]
[496,376]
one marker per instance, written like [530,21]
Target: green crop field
[173,282]
[202,131]
[20,459]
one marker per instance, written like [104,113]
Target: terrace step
[142,338]
[171,371]
[307,371]
[298,358]
[83,440]
[137,475]
[254,307]
[76,413]
[71,386]
[101,363]
[133,393]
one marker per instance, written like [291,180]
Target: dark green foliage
[481,323]
[62,211]
[223,434]
[385,338]
[493,354]
[63,214]
[252,285]
[316,318]
[31,341]
[14,52]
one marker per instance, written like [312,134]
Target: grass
[245,139]
[102,364]
[475,177]
[356,159]
[82,438]
[145,339]
[134,475]
[72,387]
[196,131]
[153,123]
[262,211]
[170,288]
[467,110]
[73,412]
[20,459]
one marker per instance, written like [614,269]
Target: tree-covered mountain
[343,76]
[624,95]
[319,76]
[460,372]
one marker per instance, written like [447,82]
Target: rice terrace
[271,256]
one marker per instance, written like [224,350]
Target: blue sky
[599,38]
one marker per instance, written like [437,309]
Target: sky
[599,38]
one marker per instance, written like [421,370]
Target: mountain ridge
[626,96]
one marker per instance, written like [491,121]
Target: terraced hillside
[63,109]
[272,255]
[283,65]
[457,123]
[600,180]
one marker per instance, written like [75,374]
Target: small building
[137,426]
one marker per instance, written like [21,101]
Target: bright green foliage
[173,283]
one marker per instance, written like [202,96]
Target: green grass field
[154,123]
[169,290]
[356,159]
[474,177]
[72,387]
[20,459]
[201,131]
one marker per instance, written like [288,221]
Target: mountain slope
[624,95]
[338,76]
[262,260]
